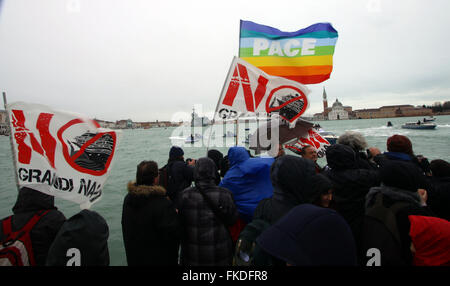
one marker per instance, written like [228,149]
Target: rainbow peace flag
[305,56]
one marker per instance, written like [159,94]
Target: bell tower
[325,103]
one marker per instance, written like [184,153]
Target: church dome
[337,104]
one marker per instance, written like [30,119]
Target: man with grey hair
[359,144]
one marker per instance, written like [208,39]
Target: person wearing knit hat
[399,143]
[175,152]
[180,175]
[400,149]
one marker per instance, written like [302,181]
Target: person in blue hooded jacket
[248,179]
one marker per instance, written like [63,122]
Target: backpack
[388,216]
[16,248]
[247,251]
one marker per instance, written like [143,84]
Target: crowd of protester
[363,208]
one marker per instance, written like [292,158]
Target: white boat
[328,135]
[193,138]
[416,125]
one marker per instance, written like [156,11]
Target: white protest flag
[59,153]
[248,91]
[312,138]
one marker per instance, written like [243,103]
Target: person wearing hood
[439,193]
[309,235]
[386,224]
[294,182]
[206,211]
[180,174]
[150,224]
[30,202]
[322,195]
[217,157]
[248,179]
[350,185]
[430,241]
[81,241]
[292,179]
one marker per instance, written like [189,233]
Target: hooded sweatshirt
[81,241]
[248,179]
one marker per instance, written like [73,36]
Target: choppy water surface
[154,144]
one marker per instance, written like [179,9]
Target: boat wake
[381,131]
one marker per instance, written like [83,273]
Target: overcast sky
[148,60]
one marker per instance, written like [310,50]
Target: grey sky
[148,60]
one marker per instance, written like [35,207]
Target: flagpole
[5,103]
[218,103]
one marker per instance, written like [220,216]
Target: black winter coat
[439,196]
[180,176]
[292,180]
[81,241]
[390,234]
[150,226]
[206,240]
[351,185]
[29,202]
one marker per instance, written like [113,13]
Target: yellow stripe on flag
[285,61]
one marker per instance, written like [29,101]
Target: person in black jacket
[81,241]
[309,235]
[28,203]
[150,224]
[292,179]
[217,157]
[359,144]
[350,185]
[439,192]
[180,173]
[206,211]
[386,223]
[400,149]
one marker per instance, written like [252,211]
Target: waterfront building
[393,111]
[336,112]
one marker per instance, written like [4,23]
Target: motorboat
[193,138]
[431,119]
[329,136]
[418,125]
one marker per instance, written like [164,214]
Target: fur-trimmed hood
[144,190]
